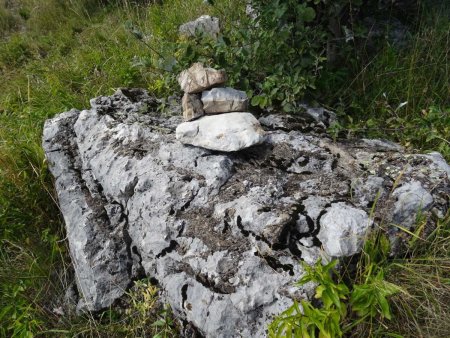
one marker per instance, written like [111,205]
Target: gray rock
[98,245]
[198,78]
[192,106]
[412,199]
[308,120]
[205,25]
[222,233]
[251,12]
[319,114]
[226,132]
[343,229]
[438,162]
[224,100]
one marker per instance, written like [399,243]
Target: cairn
[215,116]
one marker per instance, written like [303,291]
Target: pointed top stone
[199,78]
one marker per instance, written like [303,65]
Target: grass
[425,274]
[55,55]
[400,94]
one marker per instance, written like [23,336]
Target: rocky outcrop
[222,233]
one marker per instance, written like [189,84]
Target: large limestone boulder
[226,132]
[224,100]
[199,78]
[222,233]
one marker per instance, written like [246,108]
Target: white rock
[226,132]
[438,162]
[198,78]
[411,199]
[205,24]
[224,100]
[251,12]
[342,229]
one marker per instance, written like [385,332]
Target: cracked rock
[343,229]
[222,232]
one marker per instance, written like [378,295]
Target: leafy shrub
[342,307]
[296,322]
[399,93]
[275,56]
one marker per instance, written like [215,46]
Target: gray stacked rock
[203,100]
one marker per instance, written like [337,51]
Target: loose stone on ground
[205,25]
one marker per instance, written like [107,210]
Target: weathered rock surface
[192,106]
[198,78]
[224,100]
[343,228]
[221,233]
[226,132]
[205,24]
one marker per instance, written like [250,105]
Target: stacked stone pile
[215,116]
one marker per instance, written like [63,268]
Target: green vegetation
[403,297]
[400,94]
[55,55]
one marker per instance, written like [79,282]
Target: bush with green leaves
[275,57]
[307,320]
[338,308]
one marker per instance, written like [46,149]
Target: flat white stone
[224,100]
[225,132]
